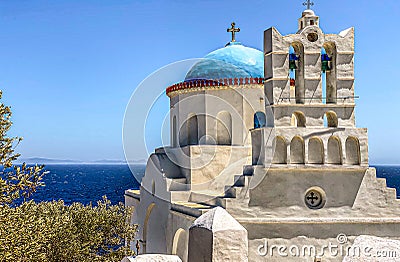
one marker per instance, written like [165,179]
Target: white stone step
[248,170]
[240,181]
[190,208]
[178,184]
[391,193]
[230,192]
[381,181]
[207,199]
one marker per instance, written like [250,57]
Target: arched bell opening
[296,72]
[328,69]
[298,119]
[330,119]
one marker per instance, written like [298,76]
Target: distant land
[42,160]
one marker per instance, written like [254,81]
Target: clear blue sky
[69,67]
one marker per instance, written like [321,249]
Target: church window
[224,128]
[193,130]
[174,132]
[259,119]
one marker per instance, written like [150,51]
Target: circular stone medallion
[315,198]
[312,37]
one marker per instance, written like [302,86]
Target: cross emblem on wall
[312,197]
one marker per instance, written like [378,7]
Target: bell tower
[308,18]
[310,103]
[310,73]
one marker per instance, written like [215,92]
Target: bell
[292,65]
[325,63]
[292,61]
[325,66]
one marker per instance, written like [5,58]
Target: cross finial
[308,3]
[233,30]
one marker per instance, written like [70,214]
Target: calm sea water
[88,183]
[392,175]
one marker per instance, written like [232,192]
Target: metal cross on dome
[233,30]
[309,3]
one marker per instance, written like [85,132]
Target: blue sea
[88,183]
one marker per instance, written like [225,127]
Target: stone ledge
[133,193]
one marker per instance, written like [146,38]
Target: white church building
[264,152]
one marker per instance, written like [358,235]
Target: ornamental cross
[312,197]
[308,4]
[233,30]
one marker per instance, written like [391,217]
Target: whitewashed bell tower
[309,86]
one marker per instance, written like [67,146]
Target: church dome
[232,61]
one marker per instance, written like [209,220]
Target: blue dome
[232,61]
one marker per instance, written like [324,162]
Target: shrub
[52,231]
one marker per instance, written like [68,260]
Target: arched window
[193,130]
[334,151]
[330,119]
[315,151]
[146,236]
[259,120]
[153,187]
[352,151]
[224,128]
[180,243]
[296,72]
[174,132]
[280,153]
[298,119]
[329,79]
[297,150]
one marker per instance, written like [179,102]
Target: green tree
[53,231]
[15,181]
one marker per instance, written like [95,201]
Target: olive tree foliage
[53,231]
[15,181]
